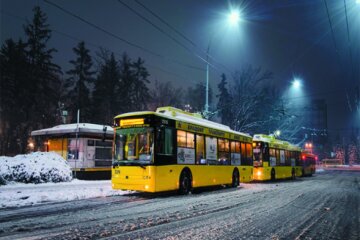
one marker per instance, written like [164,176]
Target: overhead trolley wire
[93,44]
[336,48]
[166,34]
[118,37]
[180,34]
[331,27]
[349,43]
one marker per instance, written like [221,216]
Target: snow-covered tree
[43,75]
[223,103]
[79,82]
[105,96]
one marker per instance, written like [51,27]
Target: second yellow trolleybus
[175,150]
[275,159]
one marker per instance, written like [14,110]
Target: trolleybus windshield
[133,146]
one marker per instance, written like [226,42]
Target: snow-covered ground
[21,194]
[321,207]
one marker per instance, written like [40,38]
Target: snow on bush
[37,167]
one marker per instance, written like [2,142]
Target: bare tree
[249,98]
[165,94]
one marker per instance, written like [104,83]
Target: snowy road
[326,206]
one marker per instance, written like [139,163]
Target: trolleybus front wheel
[235,179]
[185,182]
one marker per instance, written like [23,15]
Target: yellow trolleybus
[175,150]
[275,159]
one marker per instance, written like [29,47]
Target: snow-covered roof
[180,115]
[273,140]
[73,128]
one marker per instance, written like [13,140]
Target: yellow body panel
[166,178]
[281,172]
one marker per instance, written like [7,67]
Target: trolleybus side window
[185,139]
[248,160]
[297,158]
[277,151]
[243,152]
[287,158]
[224,151]
[272,158]
[185,147]
[211,150]
[235,153]
[200,149]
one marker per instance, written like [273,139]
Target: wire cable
[94,45]
[118,37]
[181,34]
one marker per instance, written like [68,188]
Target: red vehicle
[308,163]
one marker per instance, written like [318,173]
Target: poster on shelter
[211,148]
[185,155]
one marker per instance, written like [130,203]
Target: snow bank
[37,167]
[20,194]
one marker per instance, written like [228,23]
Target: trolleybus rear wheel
[235,178]
[185,182]
[293,176]
[273,177]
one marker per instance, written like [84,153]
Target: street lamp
[233,19]
[277,133]
[296,83]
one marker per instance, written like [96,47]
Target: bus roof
[84,128]
[273,142]
[180,115]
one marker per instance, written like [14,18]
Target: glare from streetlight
[296,83]
[234,17]
[277,133]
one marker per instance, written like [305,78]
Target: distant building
[315,127]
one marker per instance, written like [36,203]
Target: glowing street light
[296,83]
[277,133]
[233,19]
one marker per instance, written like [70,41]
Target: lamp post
[233,19]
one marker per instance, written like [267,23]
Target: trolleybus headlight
[146,187]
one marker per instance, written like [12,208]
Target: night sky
[290,38]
